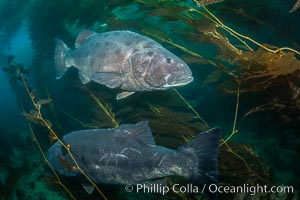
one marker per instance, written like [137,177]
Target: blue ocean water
[242,47]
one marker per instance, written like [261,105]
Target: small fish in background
[123,59]
[129,155]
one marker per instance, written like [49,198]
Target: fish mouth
[180,82]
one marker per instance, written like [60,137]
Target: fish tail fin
[199,157]
[60,63]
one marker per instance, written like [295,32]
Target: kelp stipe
[224,42]
[35,116]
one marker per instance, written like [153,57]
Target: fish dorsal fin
[89,188]
[83,36]
[139,132]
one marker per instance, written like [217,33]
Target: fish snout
[181,77]
[185,79]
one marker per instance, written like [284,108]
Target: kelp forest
[245,59]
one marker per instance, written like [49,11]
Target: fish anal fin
[89,188]
[83,36]
[123,95]
[84,78]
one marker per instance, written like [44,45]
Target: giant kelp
[239,65]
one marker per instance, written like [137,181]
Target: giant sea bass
[123,59]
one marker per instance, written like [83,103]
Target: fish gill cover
[244,56]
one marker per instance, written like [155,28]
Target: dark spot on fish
[116,33]
[150,53]
[146,46]
[82,158]
[168,60]
[128,43]
[106,43]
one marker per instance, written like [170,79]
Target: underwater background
[244,55]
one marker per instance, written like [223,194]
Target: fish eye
[169,60]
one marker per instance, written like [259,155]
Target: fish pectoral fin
[89,188]
[83,36]
[123,95]
[109,79]
[84,78]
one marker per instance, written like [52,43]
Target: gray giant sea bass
[128,155]
[122,59]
